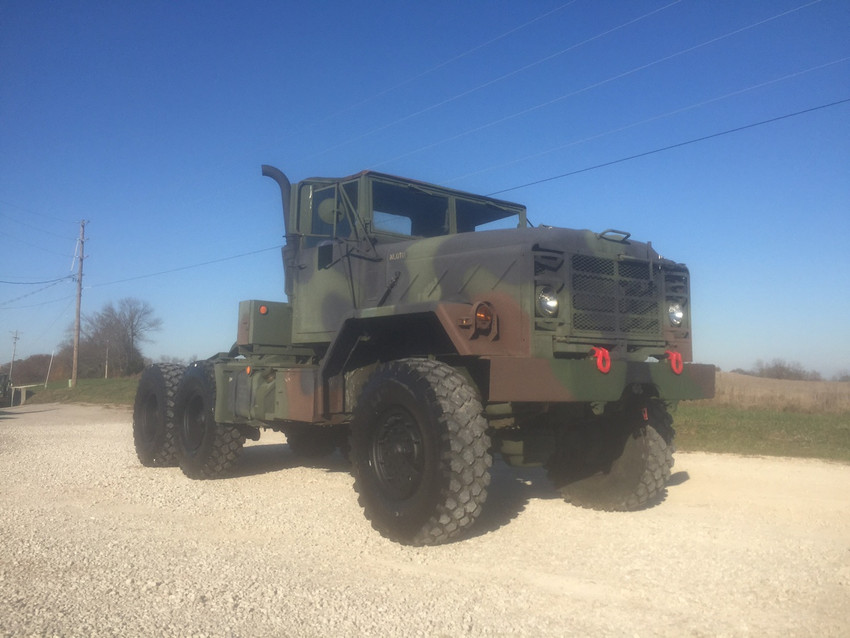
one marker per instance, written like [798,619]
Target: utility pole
[79,304]
[15,338]
[49,368]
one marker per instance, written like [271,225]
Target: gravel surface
[94,544]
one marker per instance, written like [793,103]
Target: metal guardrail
[22,393]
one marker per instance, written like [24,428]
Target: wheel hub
[397,455]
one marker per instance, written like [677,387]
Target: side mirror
[328,212]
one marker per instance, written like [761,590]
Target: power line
[654,118]
[672,146]
[57,317]
[43,303]
[589,87]
[189,267]
[30,226]
[37,283]
[35,212]
[41,249]
[34,292]
[489,83]
[413,78]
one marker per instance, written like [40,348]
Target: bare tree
[111,338]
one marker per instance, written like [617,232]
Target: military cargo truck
[426,330]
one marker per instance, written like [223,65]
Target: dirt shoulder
[92,543]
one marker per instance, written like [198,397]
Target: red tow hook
[603,359]
[676,364]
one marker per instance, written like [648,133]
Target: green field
[99,391]
[749,415]
[762,432]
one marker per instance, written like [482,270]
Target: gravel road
[93,544]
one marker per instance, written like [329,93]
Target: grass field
[749,415]
[119,392]
[762,432]
[807,397]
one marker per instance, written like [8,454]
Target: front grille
[619,298]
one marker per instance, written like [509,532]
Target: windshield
[411,210]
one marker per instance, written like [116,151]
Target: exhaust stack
[288,251]
[285,189]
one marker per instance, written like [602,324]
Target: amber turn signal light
[483,317]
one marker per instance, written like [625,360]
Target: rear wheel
[620,463]
[205,449]
[419,452]
[153,415]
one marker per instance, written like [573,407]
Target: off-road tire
[153,415]
[419,452]
[619,467]
[205,449]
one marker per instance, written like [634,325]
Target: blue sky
[150,120]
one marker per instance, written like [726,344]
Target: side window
[472,216]
[409,211]
[323,216]
[323,211]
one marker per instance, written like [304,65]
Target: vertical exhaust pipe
[285,189]
[289,250]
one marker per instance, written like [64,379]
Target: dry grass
[120,391]
[752,415]
[755,393]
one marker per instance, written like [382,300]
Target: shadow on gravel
[6,414]
[510,488]
[262,459]
[510,491]
[677,478]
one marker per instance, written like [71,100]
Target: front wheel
[205,449]
[620,463]
[419,451]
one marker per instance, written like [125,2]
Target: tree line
[110,342]
[792,371]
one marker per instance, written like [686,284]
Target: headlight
[547,302]
[675,313]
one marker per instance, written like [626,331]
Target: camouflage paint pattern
[378,268]
[259,394]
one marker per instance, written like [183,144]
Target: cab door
[323,292]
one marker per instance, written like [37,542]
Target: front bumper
[558,380]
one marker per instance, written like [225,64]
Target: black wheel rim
[194,424]
[398,457]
